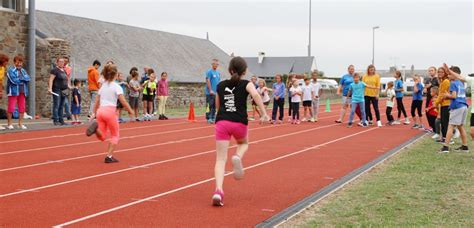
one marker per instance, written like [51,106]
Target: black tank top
[232,101]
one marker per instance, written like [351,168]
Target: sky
[417,32]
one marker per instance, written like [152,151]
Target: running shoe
[251,118]
[304,120]
[462,148]
[2,128]
[416,126]
[238,167]
[297,122]
[371,122]
[165,117]
[23,127]
[218,198]
[312,120]
[110,160]
[396,122]
[338,121]
[444,150]
[92,129]
[360,124]
[349,125]
[407,122]
[10,127]
[364,125]
[379,123]
[290,120]
[280,122]
[137,119]
[435,136]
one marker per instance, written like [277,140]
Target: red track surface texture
[165,177]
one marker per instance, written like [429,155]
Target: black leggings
[431,121]
[289,104]
[401,108]
[389,114]
[444,120]
[295,106]
[278,106]
[416,107]
[375,103]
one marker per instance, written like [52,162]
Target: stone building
[184,58]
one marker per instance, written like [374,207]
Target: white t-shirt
[470,82]
[109,93]
[307,92]
[316,87]
[296,98]
[264,95]
[390,95]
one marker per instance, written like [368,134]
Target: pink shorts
[13,100]
[107,120]
[226,129]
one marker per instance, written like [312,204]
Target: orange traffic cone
[191,117]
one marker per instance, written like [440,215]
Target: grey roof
[185,58]
[271,66]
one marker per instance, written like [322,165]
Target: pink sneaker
[297,122]
[218,198]
[290,120]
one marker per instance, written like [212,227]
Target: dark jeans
[67,107]
[58,106]
[375,102]
[295,106]
[416,108]
[431,121]
[401,108]
[444,120]
[438,126]
[278,106]
[389,114]
[211,103]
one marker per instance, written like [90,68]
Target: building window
[8,4]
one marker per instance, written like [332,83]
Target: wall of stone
[13,38]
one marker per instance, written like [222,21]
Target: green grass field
[418,187]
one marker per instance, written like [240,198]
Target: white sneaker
[27,117]
[456,134]
[2,128]
[238,168]
[312,120]
[304,120]
[10,127]
[407,122]
[396,122]
[435,136]
[360,124]
[379,123]
[23,127]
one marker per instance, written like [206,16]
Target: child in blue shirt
[417,102]
[356,92]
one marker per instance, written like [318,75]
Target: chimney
[207,35]
[261,55]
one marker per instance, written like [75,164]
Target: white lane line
[82,133]
[97,141]
[156,163]
[118,151]
[204,181]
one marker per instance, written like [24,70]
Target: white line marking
[82,133]
[156,163]
[118,151]
[203,181]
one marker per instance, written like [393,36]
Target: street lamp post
[309,43]
[373,43]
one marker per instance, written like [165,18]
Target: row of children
[308,94]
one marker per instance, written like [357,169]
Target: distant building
[267,67]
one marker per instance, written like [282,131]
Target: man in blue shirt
[457,111]
[344,84]
[213,77]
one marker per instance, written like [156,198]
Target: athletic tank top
[232,101]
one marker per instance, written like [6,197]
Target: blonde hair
[263,81]
[389,85]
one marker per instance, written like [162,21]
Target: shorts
[12,102]
[75,109]
[266,103]
[226,129]
[307,103]
[472,119]
[148,98]
[119,105]
[133,101]
[346,100]
[457,117]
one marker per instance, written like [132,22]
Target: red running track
[165,177]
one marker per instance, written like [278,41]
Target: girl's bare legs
[111,149]
[20,119]
[242,147]
[221,159]
[463,133]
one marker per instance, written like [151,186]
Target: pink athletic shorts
[226,129]
[13,100]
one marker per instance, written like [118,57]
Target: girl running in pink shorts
[231,121]
[104,110]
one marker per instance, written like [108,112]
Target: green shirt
[151,86]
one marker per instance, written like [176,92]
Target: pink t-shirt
[162,87]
